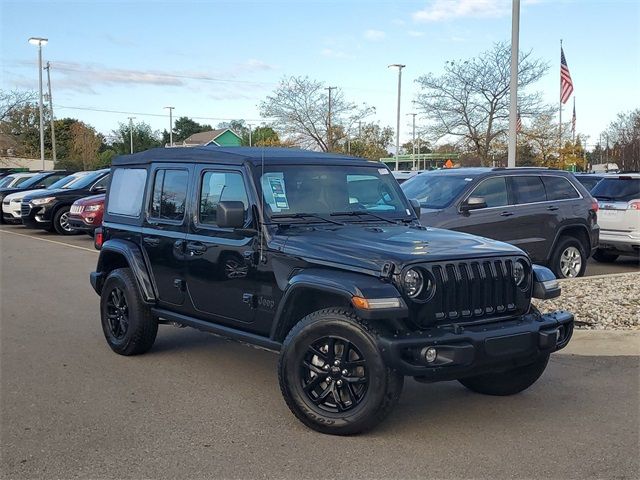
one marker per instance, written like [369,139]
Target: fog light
[430,355]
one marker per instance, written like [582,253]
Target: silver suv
[618,196]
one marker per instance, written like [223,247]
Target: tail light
[594,205]
[634,204]
[98,238]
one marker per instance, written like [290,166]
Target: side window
[493,190]
[101,184]
[528,189]
[559,188]
[127,191]
[220,187]
[169,194]
[51,180]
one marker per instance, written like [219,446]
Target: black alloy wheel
[117,314]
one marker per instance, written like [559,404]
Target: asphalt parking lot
[198,406]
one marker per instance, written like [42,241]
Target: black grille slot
[25,209]
[467,291]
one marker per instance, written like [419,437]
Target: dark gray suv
[547,213]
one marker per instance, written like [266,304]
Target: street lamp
[170,126]
[131,133]
[399,67]
[413,141]
[40,42]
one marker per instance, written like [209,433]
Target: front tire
[61,222]
[332,374]
[509,382]
[569,259]
[127,322]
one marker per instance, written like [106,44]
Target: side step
[220,330]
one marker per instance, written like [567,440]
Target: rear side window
[617,189]
[169,194]
[528,189]
[559,188]
[220,187]
[493,190]
[127,191]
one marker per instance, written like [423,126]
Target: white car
[618,198]
[403,175]
[11,204]
[15,179]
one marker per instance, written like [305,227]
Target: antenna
[261,214]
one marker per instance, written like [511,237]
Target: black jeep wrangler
[322,259]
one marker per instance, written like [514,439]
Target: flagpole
[560,123]
[573,122]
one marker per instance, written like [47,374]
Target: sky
[217,60]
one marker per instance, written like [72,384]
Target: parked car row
[45,201]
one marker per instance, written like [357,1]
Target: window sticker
[383,171]
[276,191]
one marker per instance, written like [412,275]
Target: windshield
[619,189]
[7,180]
[86,180]
[358,193]
[435,191]
[20,181]
[35,179]
[66,182]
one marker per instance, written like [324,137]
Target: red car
[86,214]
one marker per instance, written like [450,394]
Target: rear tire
[603,256]
[332,374]
[127,322]
[507,383]
[569,259]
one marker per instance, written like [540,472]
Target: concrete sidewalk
[608,343]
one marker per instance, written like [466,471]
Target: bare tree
[299,108]
[469,102]
[12,99]
[624,135]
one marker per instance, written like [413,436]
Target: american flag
[518,122]
[566,84]
[573,119]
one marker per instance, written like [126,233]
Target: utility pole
[329,139]
[53,129]
[170,127]
[513,84]
[399,67]
[40,42]
[131,132]
[413,140]
[250,142]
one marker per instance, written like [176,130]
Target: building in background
[222,137]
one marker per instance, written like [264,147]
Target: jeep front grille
[471,290]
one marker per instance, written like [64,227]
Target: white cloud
[415,33]
[374,35]
[440,10]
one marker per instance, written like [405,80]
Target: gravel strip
[608,302]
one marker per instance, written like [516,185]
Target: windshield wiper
[358,213]
[304,215]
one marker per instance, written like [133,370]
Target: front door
[164,232]
[220,273]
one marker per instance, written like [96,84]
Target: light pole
[170,126]
[53,128]
[413,140]
[40,42]
[399,67]
[513,85]
[249,125]
[329,139]
[131,132]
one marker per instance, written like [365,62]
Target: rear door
[220,279]
[164,231]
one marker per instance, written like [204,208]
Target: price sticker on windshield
[278,191]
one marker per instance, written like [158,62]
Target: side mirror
[99,189]
[473,203]
[545,285]
[415,204]
[230,214]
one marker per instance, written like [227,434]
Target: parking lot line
[50,241]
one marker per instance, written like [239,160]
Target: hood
[370,247]
[24,193]
[92,200]
[46,193]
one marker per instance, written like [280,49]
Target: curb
[594,277]
[608,343]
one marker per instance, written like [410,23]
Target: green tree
[266,136]
[144,138]
[183,128]
[372,142]
[422,146]
[22,122]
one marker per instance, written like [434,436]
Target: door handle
[506,214]
[151,241]
[552,208]
[196,248]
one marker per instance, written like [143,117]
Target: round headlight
[520,273]
[412,282]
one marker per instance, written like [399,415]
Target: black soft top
[238,156]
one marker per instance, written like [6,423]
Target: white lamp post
[40,42]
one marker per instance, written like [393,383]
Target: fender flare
[343,284]
[135,259]
[561,232]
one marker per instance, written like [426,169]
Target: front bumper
[36,216]
[11,212]
[79,223]
[469,350]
